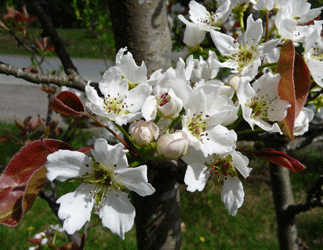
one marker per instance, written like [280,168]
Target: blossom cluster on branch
[251,80]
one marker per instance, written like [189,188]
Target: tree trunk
[143,28]
[158,222]
[283,196]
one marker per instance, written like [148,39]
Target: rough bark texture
[283,197]
[158,223]
[143,28]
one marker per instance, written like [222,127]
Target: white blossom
[260,103]
[291,14]
[203,21]
[220,168]
[170,93]
[119,103]
[202,122]
[105,179]
[314,52]
[244,54]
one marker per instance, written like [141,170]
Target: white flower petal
[65,164]
[181,89]
[273,128]
[277,110]
[267,47]
[241,162]
[130,70]
[253,33]
[114,88]
[117,213]
[302,121]
[197,12]
[75,208]
[316,69]
[113,74]
[135,179]
[136,97]
[120,54]
[149,108]
[111,157]
[193,35]
[92,95]
[221,141]
[196,177]
[232,194]
[197,103]
[226,44]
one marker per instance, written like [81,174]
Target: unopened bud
[234,82]
[143,132]
[172,146]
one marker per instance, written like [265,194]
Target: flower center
[164,99]
[115,105]
[317,53]
[259,108]
[220,167]
[210,20]
[197,125]
[102,178]
[245,56]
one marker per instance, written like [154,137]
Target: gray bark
[143,28]
[158,222]
[283,197]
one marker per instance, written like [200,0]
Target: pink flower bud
[172,146]
[143,132]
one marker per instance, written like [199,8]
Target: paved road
[19,98]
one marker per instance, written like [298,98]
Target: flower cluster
[189,112]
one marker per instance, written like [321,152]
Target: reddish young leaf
[51,48]
[18,17]
[302,83]
[15,15]
[4,139]
[282,159]
[21,180]
[69,246]
[286,87]
[35,241]
[294,84]
[48,90]
[39,44]
[67,103]
[27,120]
[20,126]
[85,150]
[279,158]
[35,183]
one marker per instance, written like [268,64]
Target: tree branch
[68,81]
[49,30]
[314,198]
